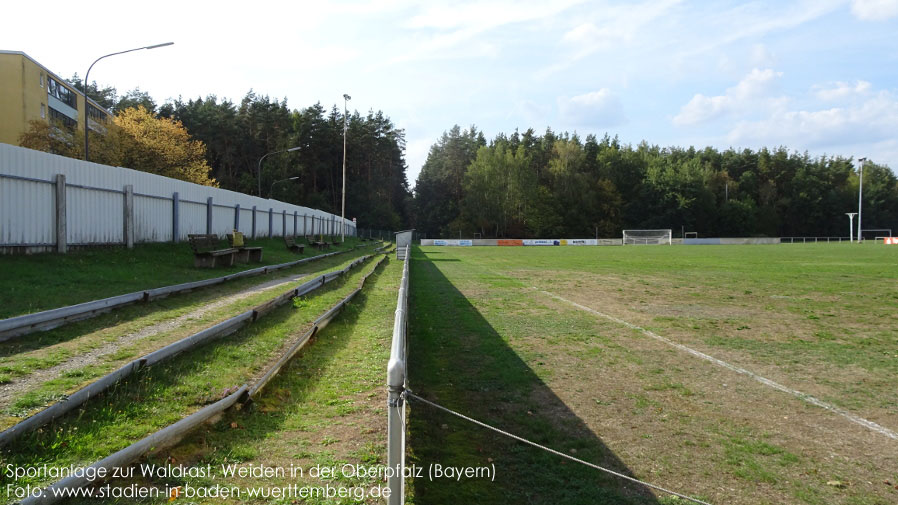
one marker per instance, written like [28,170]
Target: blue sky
[820,76]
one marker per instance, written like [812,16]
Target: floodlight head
[346,97]
[297,148]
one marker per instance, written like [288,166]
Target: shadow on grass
[457,359]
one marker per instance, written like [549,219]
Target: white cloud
[416,151]
[841,90]
[597,109]
[874,120]
[444,26]
[609,27]
[874,10]
[754,87]
[761,56]
[532,113]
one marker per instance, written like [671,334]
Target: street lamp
[271,192]
[850,226]
[86,116]
[267,155]
[346,98]
[860,193]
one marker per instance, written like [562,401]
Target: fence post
[295,221]
[284,222]
[396,381]
[270,221]
[128,217]
[175,233]
[61,245]
[209,216]
[237,217]
[254,221]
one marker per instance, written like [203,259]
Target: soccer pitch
[735,374]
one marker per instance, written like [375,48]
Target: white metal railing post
[396,383]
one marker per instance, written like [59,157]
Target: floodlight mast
[860,193]
[346,99]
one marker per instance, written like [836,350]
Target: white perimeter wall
[95,216]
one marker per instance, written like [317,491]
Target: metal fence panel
[152,219]
[95,204]
[37,227]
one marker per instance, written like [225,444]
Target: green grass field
[32,283]
[159,396]
[571,347]
[495,333]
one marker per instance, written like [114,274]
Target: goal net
[647,237]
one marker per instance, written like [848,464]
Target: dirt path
[20,385]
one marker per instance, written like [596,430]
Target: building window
[43,111]
[64,94]
[42,80]
[96,114]
[61,119]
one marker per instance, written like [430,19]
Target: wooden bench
[244,254]
[315,243]
[206,252]
[291,244]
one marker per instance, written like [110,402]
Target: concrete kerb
[164,437]
[318,325]
[49,319]
[173,433]
[219,330]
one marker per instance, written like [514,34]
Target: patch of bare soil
[693,316]
[690,425]
[21,385]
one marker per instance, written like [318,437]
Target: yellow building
[29,91]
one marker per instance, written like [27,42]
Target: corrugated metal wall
[95,204]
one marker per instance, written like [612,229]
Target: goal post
[647,237]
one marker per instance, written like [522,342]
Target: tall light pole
[860,193]
[86,115]
[259,172]
[271,191]
[850,226]
[346,99]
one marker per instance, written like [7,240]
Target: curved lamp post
[346,98]
[259,172]
[271,191]
[86,105]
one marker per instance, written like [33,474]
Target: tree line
[558,185]
[219,142]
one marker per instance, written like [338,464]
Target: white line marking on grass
[763,380]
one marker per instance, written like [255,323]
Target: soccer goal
[647,237]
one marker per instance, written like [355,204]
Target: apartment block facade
[29,91]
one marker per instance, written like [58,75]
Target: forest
[219,142]
[521,185]
[525,185]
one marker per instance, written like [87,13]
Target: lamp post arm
[260,169]
[86,80]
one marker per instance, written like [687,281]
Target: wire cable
[408,394]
